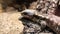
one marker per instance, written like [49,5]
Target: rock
[45,33]
[10,24]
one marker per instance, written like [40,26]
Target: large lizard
[52,21]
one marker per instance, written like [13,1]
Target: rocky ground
[10,24]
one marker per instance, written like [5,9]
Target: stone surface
[10,24]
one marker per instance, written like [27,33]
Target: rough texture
[31,27]
[43,7]
[51,7]
[10,24]
[52,21]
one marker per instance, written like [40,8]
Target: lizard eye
[24,13]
